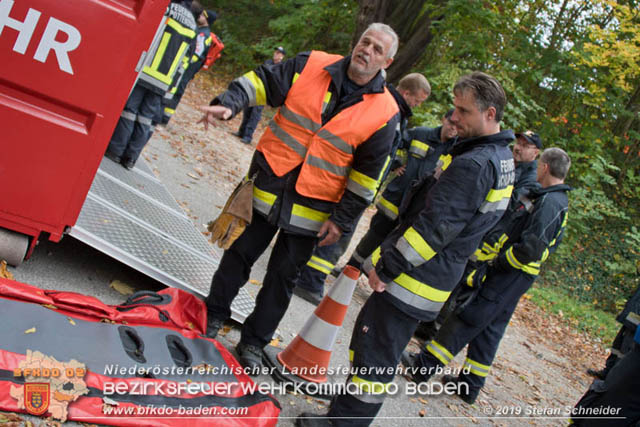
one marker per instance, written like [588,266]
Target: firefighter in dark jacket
[201,44]
[427,148]
[419,264]
[482,323]
[167,50]
[525,151]
[316,169]
[413,89]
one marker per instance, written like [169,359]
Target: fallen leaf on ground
[255,282]
[275,342]
[71,321]
[30,331]
[422,413]
[121,287]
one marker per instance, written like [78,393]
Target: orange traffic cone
[307,357]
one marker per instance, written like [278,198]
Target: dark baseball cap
[531,138]
[281,50]
[211,16]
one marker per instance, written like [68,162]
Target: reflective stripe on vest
[387,208]
[419,148]
[496,200]
[307,218]
[409,290]
[297,136]
[444,161]
[320,264]
[439,352]
[152,73]
[263,201]
[476,368]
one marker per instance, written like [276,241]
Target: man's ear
[491,113]
[387,63]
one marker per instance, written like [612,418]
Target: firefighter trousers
[250,118]
[380,334]
[481,325]
[289,255]
[618,392]
[135,125]
[380,227]
[323,260]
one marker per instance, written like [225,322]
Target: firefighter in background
[419,264]
[316,169]
[525,151]
[251,114]
[202,44]
[482,323]
[427,149]
[624,341]
[413,89]
[134,127]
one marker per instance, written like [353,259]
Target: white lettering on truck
[48,41]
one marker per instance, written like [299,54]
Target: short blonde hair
[414,83]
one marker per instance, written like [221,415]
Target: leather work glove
[235,216]
[476,277]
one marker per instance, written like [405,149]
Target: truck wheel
[13,246]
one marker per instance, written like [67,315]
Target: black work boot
[601,374]
[464,390]
[213,326]
[250,357]
[314,298]
[411,372]
[309,419]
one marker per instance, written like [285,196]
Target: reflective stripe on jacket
[422,261]
[296,135]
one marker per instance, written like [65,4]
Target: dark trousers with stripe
[134,127]
[380,334]
[311,278]
[289,255]
[481,325]
[380,227]
[250,118]
[619,390]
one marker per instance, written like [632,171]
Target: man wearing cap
[528,240]
[251,115]
[201,45]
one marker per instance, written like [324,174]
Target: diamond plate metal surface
[148,185]
[131,216]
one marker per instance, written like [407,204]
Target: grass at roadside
[583,316]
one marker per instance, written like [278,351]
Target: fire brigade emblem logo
[36,398]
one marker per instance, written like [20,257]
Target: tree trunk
[370,11]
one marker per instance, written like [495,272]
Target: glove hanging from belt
[235,215]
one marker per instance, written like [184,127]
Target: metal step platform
[130,216]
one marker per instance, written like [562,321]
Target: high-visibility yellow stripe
[180,29]
[387,204]
[308,213]
[169,110]
[440,352]
[350,355]
[419,147]
[316,266]
[446,161]
[327,97]
[176,60]
[419,244]
[322,261]
[295,77]
[265,196]
[469,281]
[370,387]
[364,180]
[476,368]
[261,93]
[422,289]
[495,195]
[531,268]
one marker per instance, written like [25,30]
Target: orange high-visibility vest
[296,134]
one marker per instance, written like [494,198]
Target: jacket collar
[559,187]
[502,138]
[338,72]
[405,110]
